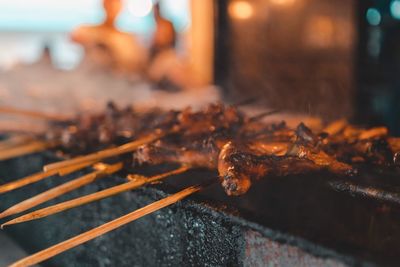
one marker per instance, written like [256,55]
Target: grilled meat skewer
[240,163]
[218,138]
[238,167]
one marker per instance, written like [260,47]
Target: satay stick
[373,133]
[263,115]
[14,141]
[107,227]
[111,152]
[25,181]
[14,127]
[335,127]
[32,147]
[33,114]
[355,189]
[62,189]
[247,101]
[80,201]
[40,176]
[73,168]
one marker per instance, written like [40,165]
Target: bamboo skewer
[111,152]
[40,176]
[63,206]
[25,181]
[373,133]
[335,127]
[365,191]
[34,146]
[262,115]
[247,101]
[14,127]
[107,227]
[14,141]
[74,168]
[33,114]
[61,189]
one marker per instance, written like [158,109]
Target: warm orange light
[282,2]
[320,31]
[240,10]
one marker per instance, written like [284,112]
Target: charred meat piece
[214,118]
[201,154]
[375,151]
[321,158]
[116,126]
[305,135]
[355,145]
[238,168]
[309,146]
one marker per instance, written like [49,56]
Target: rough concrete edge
[204,206]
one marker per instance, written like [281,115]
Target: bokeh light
[373,16]
[140,8]
[240,9]
[395,9]
[282,2]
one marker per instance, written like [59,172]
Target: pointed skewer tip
[4,214]
[109,226]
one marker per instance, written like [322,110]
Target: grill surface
[289,221]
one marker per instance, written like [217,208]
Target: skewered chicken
[241,162]
[241,149]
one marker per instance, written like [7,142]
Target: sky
[65,15]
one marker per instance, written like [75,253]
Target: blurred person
[46,58]
[122,52]
[166,69]
[164,36]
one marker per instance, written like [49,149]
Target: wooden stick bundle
[61,189]
[63,206]
[32,147]
[107,227]
[33,114]
[40,176]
